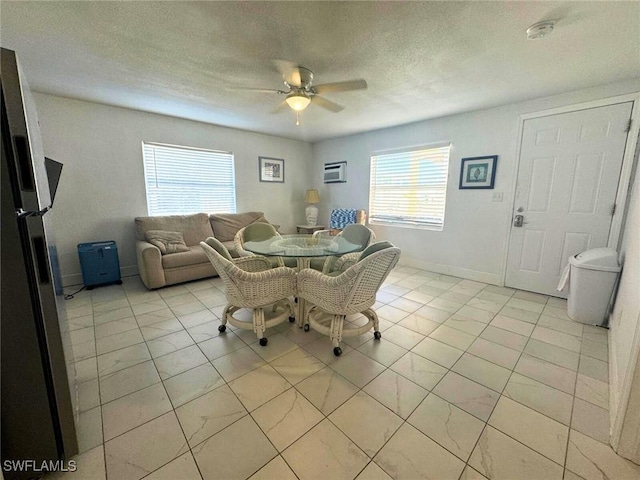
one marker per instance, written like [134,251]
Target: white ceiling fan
[300,91]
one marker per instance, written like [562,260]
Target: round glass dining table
[303,248]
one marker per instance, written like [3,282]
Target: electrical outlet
[496,197]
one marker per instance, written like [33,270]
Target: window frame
[374,184]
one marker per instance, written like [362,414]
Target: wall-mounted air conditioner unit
[335,172]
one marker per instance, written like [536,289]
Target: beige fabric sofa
[157,270]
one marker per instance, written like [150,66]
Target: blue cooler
[99,263]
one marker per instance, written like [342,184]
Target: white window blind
[184,180]
[409,187]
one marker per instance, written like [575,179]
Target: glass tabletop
[302,246]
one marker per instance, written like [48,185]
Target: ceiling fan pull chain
[297,117]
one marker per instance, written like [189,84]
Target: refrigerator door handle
[40,250]
[35,213]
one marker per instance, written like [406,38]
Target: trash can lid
[604,259]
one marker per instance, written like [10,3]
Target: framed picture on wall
[271,169]
[478,172]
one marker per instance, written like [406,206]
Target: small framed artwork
[478,172]
[271,169]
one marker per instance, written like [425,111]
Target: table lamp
[311,197]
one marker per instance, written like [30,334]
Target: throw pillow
[167,242]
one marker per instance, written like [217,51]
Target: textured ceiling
[421,59]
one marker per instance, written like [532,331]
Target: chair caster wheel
[337,351]
[306,327]
[292,319]
[377,335]
[222,328]
[263,341]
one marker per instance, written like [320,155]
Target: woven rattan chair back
[372,271]
[353,291]
[256,232]
[358,234]
[259,231]
[226,270]
[219,247]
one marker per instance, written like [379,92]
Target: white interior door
[567,182]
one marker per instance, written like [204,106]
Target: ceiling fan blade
[281,107]
[328,104]
[263,90]
[358,84]
[295,78]
[289,71]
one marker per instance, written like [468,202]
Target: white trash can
[593,275]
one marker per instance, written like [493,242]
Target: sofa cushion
[167,242]
[226,225]
[195,228]
[194,256]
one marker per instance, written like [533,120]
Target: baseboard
[614,392]
[75,279]
[72,280]
[490,278]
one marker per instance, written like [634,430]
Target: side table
[309,229]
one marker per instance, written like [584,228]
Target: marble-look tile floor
[469,381]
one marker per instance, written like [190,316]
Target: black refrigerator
[37,415]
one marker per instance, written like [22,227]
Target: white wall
[624,337]
[102,185]
[474,241]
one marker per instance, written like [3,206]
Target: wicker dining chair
[350,259]
[352,291]
[251,283]
[354,233]
[258,232]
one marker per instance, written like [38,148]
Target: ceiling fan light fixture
[298,101]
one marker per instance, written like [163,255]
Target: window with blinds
[184,180]
[409,188]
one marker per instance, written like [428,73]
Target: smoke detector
[540,29]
